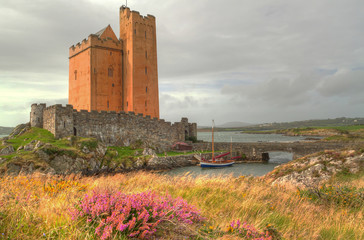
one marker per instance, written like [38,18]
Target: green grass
[33,134]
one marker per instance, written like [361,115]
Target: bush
[192,139]
[337,195]
[137,215]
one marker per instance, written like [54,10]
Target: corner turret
[36,115]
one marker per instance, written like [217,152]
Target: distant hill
[307,123]
[5,130]
[234,125]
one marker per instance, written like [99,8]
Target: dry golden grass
[35,205]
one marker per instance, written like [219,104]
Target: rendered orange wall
[139,35]
[80,88]
[103,90]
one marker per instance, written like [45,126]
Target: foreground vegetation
[55,207]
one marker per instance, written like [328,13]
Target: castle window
[146,70]
[113,85]
[146,89]
[107,104]
[127,104]
[95,70]
[75,74]
[110,53]
[145,102]
[110,72]
[145,34]
[135,31]
[146,54]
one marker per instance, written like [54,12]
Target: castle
[113,90]
[111,74]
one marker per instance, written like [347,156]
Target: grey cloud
[346,83]
[238,60]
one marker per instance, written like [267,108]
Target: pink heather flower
[132,224]
[146,211]
[133,234]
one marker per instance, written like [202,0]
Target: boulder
[139,163]
[149,151]
[20,148]
[13,169]
[85,150]
[38,145]
[29,147]
[42,155]
[101,149]
[7,150]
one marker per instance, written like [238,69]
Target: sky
[233,60]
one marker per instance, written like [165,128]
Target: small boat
[217,161]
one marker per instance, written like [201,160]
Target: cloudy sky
[233,60]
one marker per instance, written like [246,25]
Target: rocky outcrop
[7,150]
[317,169]
[19,130]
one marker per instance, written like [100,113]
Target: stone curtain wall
[124,128]
[255,150]
[112,128]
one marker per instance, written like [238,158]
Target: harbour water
[244,137]
[241,169]
[1,136]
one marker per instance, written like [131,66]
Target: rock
[139,163]
[20,148]
[85,150]
[61,164]
[38,145]
[101,150]
[7,150]
[42,155]
[29,147]
[2,160]
[20,129]
[13,169]
[149,151]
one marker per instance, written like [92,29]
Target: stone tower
[111,74]
[140,61]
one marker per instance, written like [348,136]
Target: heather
[69,207]
[137,215]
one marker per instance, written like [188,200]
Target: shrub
[192,139]
[337,195]
[137,215]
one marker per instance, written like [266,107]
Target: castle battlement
[110,127]
[94,40]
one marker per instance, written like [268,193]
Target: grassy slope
[73,147]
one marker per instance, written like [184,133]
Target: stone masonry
[111,128]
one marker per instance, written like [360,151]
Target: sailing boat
[217,161]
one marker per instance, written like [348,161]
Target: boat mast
[213,156]
[231,148]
